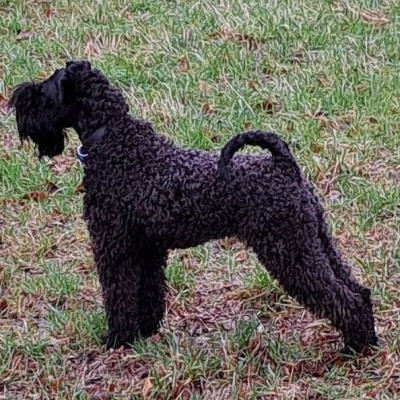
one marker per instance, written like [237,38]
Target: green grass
[325,75]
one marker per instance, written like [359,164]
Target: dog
[144,195]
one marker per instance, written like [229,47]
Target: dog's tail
[266,140]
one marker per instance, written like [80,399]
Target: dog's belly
[188,204]
[187,229]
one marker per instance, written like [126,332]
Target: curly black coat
[145,195]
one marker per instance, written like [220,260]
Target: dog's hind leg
[151,291]
[304,272]
[343,271]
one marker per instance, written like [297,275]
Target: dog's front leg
[152,290]
[119,269]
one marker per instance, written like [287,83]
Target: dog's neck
[91,139]
[89,133]
[89,114]
[83,150]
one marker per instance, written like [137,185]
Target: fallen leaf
[239,294]
[93,47]
[147,386]
[51,187]
[8,142]
[268,72]
[187,261]
[372,393]
[320,113]
[324,121]
[246,124]
[156,338]
[330,123]
[49,12]
[204,87]
[215,35]
[165,119]
[3,105]
[374,17]
[323,80]
[79,189]
[36,196]
[23,35]
[180,391]
[111,387]
[347,119]
[361,88]
[227,55]
[54,385]
[250,42]
[206,109]
[296,58]
[183,66]
[269,106]
[242,391]
[3,305]
[60,165]
[316,149]
[252,84]
[215,138]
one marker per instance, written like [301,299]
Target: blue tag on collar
[80,156]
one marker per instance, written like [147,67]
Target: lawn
[325,75]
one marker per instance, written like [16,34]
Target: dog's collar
[83,150]
[80,155]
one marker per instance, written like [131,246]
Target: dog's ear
[24,98]
[42,114]
[23,95]
[54,87]
[59,88]
[66,79]
[81,65]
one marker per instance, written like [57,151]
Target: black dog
[144,195]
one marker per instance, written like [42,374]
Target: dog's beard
[48,137]
[41,118]
[50,148]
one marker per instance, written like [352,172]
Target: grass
[322,74]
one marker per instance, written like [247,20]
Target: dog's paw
[114,340]
[348,352]
[363,348]
[147,330]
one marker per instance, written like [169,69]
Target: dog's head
[44,109]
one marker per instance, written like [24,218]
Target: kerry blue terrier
[145,195]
